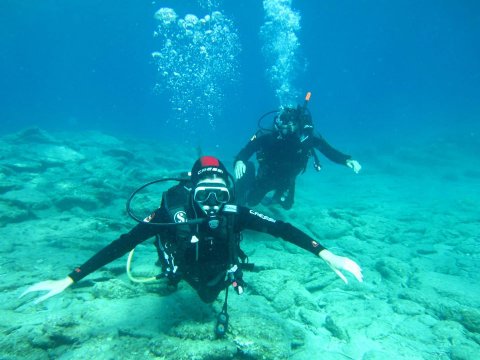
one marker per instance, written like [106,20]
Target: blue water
[395,84]
[377,69]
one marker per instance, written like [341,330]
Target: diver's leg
[287,203]
[207,292]
[260,188]
[285,194]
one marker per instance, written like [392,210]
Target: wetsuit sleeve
[253,220]
[253,146]
[118,248]
[330,152]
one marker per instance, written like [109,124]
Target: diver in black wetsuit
[202,245]
[282,155]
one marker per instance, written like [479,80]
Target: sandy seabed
[410,219]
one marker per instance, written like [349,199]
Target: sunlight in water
[197,58]
[281,45]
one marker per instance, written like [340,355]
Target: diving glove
[338,263]
[354,164]
[53,287]
[240,169]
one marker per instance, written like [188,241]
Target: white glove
[354,164]
[338,263]
[53,287]
[240,169]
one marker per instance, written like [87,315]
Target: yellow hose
[136,279]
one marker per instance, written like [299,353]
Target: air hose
[138,279]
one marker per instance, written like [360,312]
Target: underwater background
[100,97]
[376,69]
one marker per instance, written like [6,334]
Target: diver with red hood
[198,228]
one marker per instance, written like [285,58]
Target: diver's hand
[338,263]
[240,169]
[53,287]
[354,164]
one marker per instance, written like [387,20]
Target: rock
[6,186]
[12,214]
[393,270]
[375,355]
[25,166]
[58,155]
[34,135]
[332,326]
[470,318]
[115,289]
[83,201]
[28,199]
[463,352]
[406,307]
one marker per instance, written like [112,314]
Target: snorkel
[306,124]
[307,99]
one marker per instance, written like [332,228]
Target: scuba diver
[198,229]
[282,154]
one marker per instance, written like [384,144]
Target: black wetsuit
[201,268]
[280,161]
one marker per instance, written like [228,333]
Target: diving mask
[211,195]
[287,121]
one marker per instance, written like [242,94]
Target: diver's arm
[254,145]
[250,219]
[335,155]
[242,157]
[329,151]
[113,251]
[254,220]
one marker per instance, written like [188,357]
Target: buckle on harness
[235,280]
